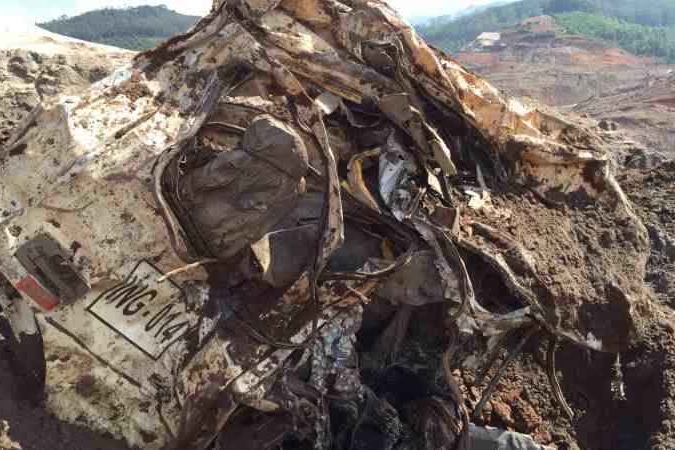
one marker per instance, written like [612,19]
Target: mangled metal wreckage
[200,233]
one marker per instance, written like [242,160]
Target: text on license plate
[150,315]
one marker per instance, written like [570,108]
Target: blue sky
[36,10]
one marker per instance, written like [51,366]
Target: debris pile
[298,225]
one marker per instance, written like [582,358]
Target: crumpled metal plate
[88,172]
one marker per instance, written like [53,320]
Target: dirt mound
[631,98]
[619,404]
[653,194]
[650,367]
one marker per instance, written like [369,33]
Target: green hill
[455,34]
[136,28]
[656,41]
[645,27]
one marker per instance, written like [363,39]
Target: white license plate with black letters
[151,315]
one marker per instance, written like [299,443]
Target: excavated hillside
[539,60]
[623,92]
[645,113]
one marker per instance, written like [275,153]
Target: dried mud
[574,250]
[645,418]
[653,194]
[651,365]
[28,77]
[523,401]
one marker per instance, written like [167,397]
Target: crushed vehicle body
[194,244]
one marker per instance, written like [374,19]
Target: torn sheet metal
[334,356]
[397,169]
[143,359]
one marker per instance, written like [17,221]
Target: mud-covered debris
[493,439]
[252,215]
[6,442]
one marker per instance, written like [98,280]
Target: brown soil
[573,251]
[645,419]
[541,62]
[652,192]
[632,93]
[632,99]
[645,113]
[523,400]
[650,366]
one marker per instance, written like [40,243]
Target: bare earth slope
[536,59]
[631,94]
[645,112]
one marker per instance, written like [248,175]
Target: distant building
[488,40]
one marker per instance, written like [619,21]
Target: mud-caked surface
[631,103]
[588,258]
[653,195]
[649,373]
[32,428]
[523,399]
[28,77]
[616,403]
[640,416]
[38,70]
[650,366]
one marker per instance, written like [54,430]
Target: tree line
[639,39]
[135,28]
[644,27]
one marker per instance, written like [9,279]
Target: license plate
[151,315]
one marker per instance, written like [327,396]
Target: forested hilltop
[645,27]
[136,28]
